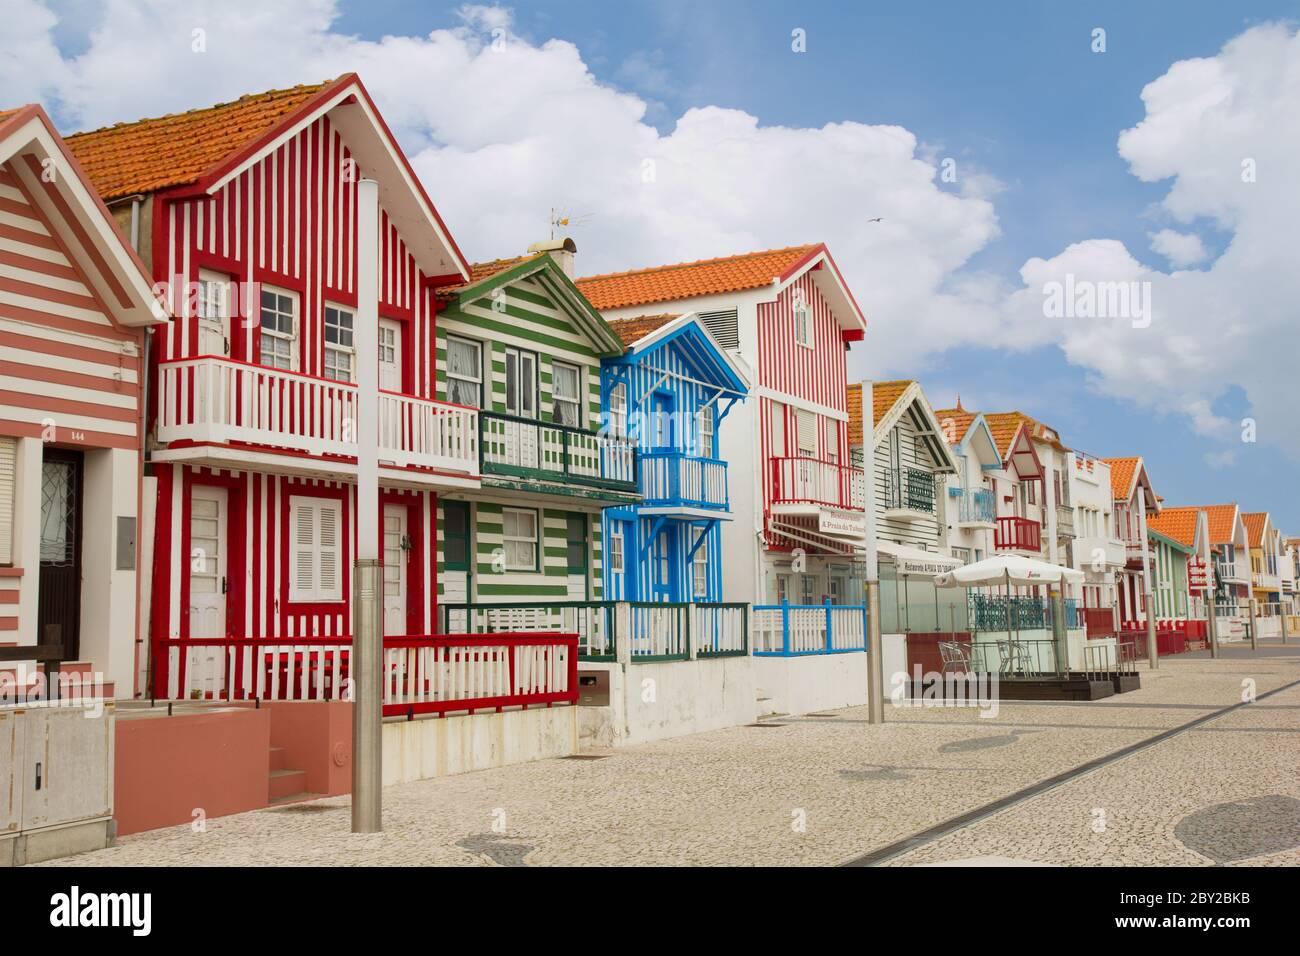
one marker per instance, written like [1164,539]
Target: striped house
[788,318]
[670,393]
[248,213]
[521,344]
[74,306]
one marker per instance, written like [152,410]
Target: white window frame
[276,334]
[700,567]
[808,589]
[803,326]
[462,379]
[321,588]
[618,410]
[782,588]
[525,386]
[508,538]
[705,432]
[574,401]
[210,307]
[340,350]
[616,551]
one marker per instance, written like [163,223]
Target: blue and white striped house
[671,393]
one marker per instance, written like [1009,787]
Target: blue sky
[1012,87]
[1013,91]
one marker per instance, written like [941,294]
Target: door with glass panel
[397,548]
[207,561]
[59,594]
[520,437]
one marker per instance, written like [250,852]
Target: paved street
[825,790]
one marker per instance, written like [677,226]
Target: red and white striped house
[790,317]
[74,305]
[247,211]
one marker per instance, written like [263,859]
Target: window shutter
[328,567]
[8,467]
[304,549]
[807,422]
[723,326]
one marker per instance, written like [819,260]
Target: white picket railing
[217,400]
[787,630]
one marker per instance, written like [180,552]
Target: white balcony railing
[816,482]
[1099,554]
[222,401]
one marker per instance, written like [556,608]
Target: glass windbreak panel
[890,603]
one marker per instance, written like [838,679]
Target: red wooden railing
[437,674]
[1017,534]
[814,481]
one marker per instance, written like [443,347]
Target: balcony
[545,451]
[975,507]
[1017,534]
[1265,580]
[1236,571]
[1098,557]
[1064,521]
[208,405]
[811,481]
[672,479]
[909,494]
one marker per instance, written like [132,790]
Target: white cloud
[501,132]
[1182,249]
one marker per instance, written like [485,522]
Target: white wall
[108,596]
[439,746]
[802,685]
[662,699]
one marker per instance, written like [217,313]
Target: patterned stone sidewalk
[824,789]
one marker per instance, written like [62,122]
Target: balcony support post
[1254,624]
[875,666]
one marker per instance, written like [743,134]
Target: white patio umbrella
[1007,569]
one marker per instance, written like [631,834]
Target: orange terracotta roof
[1255,522]
[631,331]
[175,150]
[1176,523]
[478,271]
[1221,524]
[954,422]
[1121,476]
[884,396]
[1004,426]
[685,280]
[853,400]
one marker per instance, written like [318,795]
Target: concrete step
[284,783]
[294,798]
[277,758]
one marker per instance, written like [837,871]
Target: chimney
[561,250]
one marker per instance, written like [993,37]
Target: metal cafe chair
[955,656]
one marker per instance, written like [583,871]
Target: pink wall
[167,767]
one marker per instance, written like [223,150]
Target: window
[778,430]
[808,587]
[836,585]
[279,329]
[782,588]
[803,332]
[616,550]
[833,440]
[700,568]
[807,437]
[618,410]
[338,344]
[521,383]
[566,394]
[519,538]
[455,535]
[465,372]
[8,471]
[704,432]
[213,291]
[316,548]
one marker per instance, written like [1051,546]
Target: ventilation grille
[723,326]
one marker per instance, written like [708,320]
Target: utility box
[56,780]
[593,688]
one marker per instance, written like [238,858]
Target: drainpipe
[367,604]
[875,646]
[1153,654]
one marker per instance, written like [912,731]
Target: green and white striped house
[521,343]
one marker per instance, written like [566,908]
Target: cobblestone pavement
[826,789]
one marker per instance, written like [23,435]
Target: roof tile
[685,280]
[631,331]
[175,150]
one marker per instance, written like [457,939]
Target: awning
[914,560]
